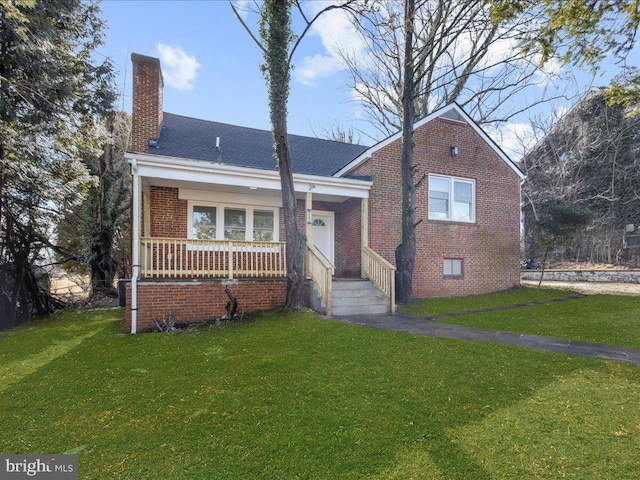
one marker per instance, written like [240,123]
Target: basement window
[452,267]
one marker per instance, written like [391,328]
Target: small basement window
[452,267]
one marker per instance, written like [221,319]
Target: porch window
[230,222]
[204,222]
[451,198]
[235,221]
[262,226]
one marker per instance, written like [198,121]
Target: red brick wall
[146,113]
[347,233]
[348,239]
[192,302]
[168,213]
[489,248]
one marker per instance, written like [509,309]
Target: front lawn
[608,319]
[297,396]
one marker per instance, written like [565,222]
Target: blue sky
[227,85]
[211,68]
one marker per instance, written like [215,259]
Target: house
[207,214]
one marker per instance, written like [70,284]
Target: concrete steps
[352,297]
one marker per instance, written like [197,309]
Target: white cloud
[514,138]
[179,69]
[244,8]
[337,34]
[549,73]
[314,68]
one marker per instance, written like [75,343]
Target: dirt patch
[590,288]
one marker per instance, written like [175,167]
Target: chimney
[146,116]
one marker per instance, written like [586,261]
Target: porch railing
[381,273]
[319,268]
[195,258]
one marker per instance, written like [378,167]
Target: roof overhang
[178,172]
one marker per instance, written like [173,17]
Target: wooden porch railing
[381,273]
[195,258]
[319,268]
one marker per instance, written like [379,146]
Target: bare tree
[427,55]
[278,43]
[463,51]
[590,160]
[406,251]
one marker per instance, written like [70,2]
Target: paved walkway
[428,326]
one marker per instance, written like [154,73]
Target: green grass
[515,296]
[608,319]
[297,396]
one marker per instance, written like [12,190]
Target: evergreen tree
[51,93]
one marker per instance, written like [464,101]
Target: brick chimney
[146,118]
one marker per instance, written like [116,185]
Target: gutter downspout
[135,235]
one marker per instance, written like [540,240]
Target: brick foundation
[201,301]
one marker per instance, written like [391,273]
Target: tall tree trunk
[102,265]
[278,35]
[406,251]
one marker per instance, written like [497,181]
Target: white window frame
[452,180]
[220,208]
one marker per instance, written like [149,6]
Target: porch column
[364,231]
[135,247]
[364,221]
[308,212]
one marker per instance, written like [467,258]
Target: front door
[322,232]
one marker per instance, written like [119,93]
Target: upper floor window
[226,222]
[451,198]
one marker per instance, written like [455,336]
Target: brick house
[207,214]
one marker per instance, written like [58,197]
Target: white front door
[323,234]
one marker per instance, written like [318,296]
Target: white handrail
[381,273]
[319,268]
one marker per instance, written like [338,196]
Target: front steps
[352,297]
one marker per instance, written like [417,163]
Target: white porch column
[364,231]
[308,212]
[135,247]
[364,221]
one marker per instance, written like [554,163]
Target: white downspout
[135,235]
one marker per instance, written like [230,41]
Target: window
[230,222]
[262,226]
[235,221]
[451,199]
[204,222]
[452,267]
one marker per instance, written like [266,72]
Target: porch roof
[192,138]
[193,174]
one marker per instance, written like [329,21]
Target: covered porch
[205,221]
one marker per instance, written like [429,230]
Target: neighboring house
[207,214]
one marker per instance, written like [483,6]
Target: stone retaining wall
[607,276]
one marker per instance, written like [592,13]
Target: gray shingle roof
[195,139]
